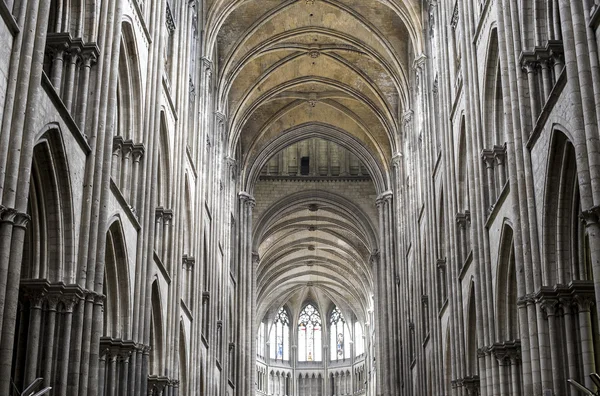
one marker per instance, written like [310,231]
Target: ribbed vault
[315,243]
[291,70]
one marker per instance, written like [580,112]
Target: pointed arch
[462,171]
[116,284]
[506,291]
[157,361]
[472,360]
[183,360]
[49,242]
[565,247]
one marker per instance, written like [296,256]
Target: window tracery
[280,336]
[309,335]
[339,335]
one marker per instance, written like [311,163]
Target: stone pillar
[89,58]
[116,158]
[530,65]
[102,372]
[124,374]
[125,182]
[61,380]
[488,158]
[515,384]
[165,244]
[499,155]
[69,84]
[137,153]
[36,299]
[158,230]
[570,341]
[247,290]
[584,304]
[49,339]
[57,53]
[549,306]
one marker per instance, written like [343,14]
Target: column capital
[463,218]
[374,259]
[207,64]
[13,216]
[246,198]
[407,117]
[488,156]
[419,61]
[53,300]
[549,305]
[500,153]
[128,146]
[159,212]
[384,197]
[167,216]
[529,61]
[397,160]
[255,258]
[583,302]
[591,216]
[138,151]
[221,117]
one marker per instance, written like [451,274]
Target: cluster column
[388,334]
[246,297]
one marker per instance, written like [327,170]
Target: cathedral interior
[299,197]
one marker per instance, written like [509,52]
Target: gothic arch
[507,320]
[163,173]
[157,352]
[49,242]
[129,89]
[116,284]
[564,246]
[493,102]
[471,335]
[373,160]
[462,168]
[183,361]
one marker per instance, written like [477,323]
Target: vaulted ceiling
[335,69]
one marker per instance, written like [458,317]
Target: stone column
[137,153]
[550,306]
[124,374]
[546,76]
[570,342]
[584,304]
[125,182]
[515,385]
[500,154]
[158,230]
[50,339]
[69,83]
[61,380]
[36,299]
[102,372]
[116,158]
[488,158]
[530,65]
[57,65]
[166,235]
[247,276]
[89,58]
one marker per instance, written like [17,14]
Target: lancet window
[309,335]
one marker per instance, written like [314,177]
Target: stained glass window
[340,336]
[280,336]
[309,335]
